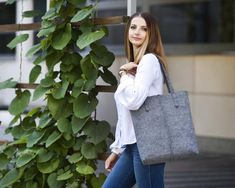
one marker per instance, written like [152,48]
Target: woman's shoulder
[150,59]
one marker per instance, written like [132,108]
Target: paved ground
[208,170]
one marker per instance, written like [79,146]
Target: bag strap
[166,76]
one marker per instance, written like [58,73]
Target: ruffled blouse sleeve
[132,91]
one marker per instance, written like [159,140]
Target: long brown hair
[152,44]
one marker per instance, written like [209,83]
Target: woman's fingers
[110,161]
[128,66]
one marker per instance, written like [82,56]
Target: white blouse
[131,94]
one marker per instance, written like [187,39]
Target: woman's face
[137,31]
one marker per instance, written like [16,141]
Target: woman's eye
[133,27]
[144,29]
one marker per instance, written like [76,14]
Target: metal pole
[48,5]
[131,7]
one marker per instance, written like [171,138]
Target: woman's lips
[136,38]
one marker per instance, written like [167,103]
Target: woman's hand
[128,66]
[111,161]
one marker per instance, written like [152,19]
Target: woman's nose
[137,31]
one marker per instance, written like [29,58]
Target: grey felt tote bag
[163,126]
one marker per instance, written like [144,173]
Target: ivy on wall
[58,145]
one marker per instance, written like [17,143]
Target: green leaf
[17,132]
[28,124]
[45,119]
[101,56]
[4,161]
[35,137]
[30,173]
[84,169]
[9,2]
[89,85]
[75,158]
[53,59]
[108,77]
[38,60]
[34,49]
[18,39]
[36,70]
[59,108]
[44,155]
[77,146]
[46,31]
[53,182]
[22,140]
[76,2]
[105,60]
[98,181]
[84,105]
[47,81]
[53,138]
[49,166]
[60,90]
[8,84]
[78,123]
[39,92]
[77,88]
[82,14]
[87,38]
[61,38]
[101,147]
[11,177]
[25,158]
[97,131]
[31,13]
[10,151]
[50,14]
[47,27]
[33,112]
[20,102]
[64,125]
[89,69]
[31,184]
[88,150]
[70,60]
[67,175]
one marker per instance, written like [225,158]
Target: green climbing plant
[58,145]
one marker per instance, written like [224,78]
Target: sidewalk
[208,170]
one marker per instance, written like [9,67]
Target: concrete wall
[210,79]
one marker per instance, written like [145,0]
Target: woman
[140,78]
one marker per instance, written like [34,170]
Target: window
[7,16]
[187,27]
[196,22]
[39,6]
[116,32]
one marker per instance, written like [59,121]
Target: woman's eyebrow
[140,26]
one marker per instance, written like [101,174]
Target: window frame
[7,55]
[172,49]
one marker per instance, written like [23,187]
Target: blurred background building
[199,40]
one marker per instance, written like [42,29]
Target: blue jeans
[129,170]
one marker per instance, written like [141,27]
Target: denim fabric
[129,170]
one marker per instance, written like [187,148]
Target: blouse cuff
[117,151]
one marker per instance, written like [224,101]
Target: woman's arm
[132,92]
